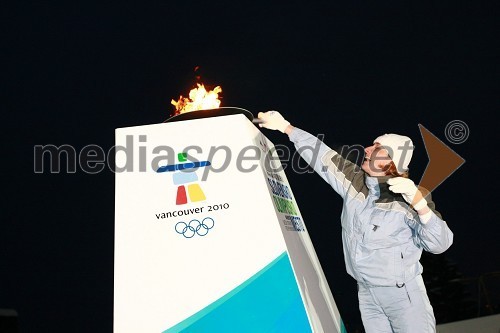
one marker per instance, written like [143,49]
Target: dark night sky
[72,73]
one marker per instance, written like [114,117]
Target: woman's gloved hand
[408,190]
[273,120]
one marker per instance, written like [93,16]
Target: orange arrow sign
[443,161]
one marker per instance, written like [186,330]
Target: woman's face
[376,158]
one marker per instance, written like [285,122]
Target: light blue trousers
[392,309]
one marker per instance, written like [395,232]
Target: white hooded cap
[400,149]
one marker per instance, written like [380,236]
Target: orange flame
[199,99]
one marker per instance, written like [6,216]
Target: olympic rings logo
[195,227]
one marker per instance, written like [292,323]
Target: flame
[199,99]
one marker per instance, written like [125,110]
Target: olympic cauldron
[208,235]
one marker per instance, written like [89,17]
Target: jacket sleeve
[337,171]
[433,236]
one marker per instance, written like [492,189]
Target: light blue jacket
[382,236]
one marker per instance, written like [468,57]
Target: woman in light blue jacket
[386,223]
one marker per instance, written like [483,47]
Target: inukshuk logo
[184,174]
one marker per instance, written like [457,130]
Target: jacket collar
[378,187]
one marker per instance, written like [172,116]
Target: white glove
[408,190]
[273,120]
